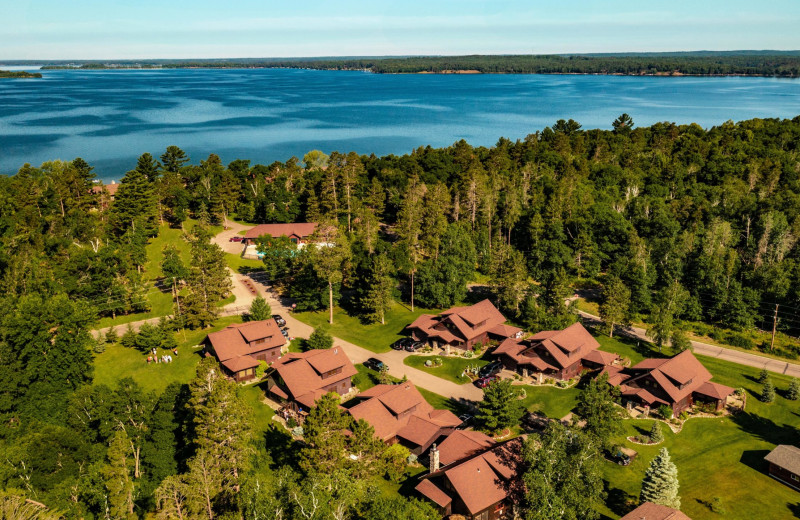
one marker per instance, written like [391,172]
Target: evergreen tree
[259,310]
[117,476]
[134,206]
[160,450]
[660,483]
[208,280]
[379,285]
[763,376]
[794,390]
[656,435]
[324,432]
[615,308]
[173,159]
[596,405]
[509,278]
[443,281]
[768,392]
[320,339]
[501,407]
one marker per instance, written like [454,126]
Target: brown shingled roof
[300,229]
[468,322]
[461,444]
[786,457]
[301,376]
[434,493]
[401,411]
[232,341]
[651,511]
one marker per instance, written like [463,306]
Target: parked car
[621,458]
[374,364]
[414,346]
[285,333]
[485,381]
[491,369]
[401,343]
[279,320]
[465,419]
[236,238]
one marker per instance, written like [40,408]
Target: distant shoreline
[19,74]
[759,65]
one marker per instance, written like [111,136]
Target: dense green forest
[672,224]
[703,64]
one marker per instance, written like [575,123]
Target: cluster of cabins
[470,474]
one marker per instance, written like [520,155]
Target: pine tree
[326,443]
[259,310]
[794,390]
[763,376]
[656,435]
[768,392]
[501,406]
[378,297]
[117,476]
[208,280]
[329,260]
[615,309]
[134,206]
[660,484]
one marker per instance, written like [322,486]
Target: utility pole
[774,328]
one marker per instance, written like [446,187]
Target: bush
[112,336]
[358,379]
[656,435]
[794,390]
[737,340]
[468,354]
[684,415]
[665,411]
[739,391]
[763,376]
[98,346]
[562,384]
[320,339]
[261,369]
[768,392]
[716,334]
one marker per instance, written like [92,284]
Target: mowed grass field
[450,369]
[375,336]
[716,457]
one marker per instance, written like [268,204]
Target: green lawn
[160,302]
[242,265]
[719,457]
[451,368]
[118,362]
[553,402]
[374,337]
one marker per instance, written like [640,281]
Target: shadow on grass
[754,459]
[795,509]
[618,500]
[765,429]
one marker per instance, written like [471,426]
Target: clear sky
[102,29]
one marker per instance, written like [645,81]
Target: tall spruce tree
[135,205]
[660,484]
[377,297]
[259,310]
[208,281]
[501,407]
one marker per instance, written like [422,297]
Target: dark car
[279,320]
[621,458]
[401,343]
[285,333]
[236,238]
[414,346]
[374,364]
[485,381]
[491,369]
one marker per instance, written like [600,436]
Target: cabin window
[794,477]
[293,240]
[260,341]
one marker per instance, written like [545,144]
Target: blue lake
[111,117]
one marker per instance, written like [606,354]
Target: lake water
[111,117]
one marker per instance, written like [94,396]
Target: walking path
[726,354]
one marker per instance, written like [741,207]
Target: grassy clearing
[553,402]
[242,265]
[118,362]
[451,368]
[374,337]
[716,457]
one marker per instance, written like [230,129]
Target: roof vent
[336,351]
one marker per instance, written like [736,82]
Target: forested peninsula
[19,74]
[785,64]
[683,228]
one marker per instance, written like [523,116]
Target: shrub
[320,339]
[684,415]
[656,435]
[768,392]
[112,336]
[739,391]
[358,379]
[716,334]
[468,354]
[794,390]
[562,384]
[737,340]
[665,411]
[291,423]
[261,369]
[98,346]
[763,376]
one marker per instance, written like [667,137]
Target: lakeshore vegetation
[685,228]
[767,63]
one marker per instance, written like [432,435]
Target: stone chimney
[434,459]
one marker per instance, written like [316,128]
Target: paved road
[393,358]
[734,356]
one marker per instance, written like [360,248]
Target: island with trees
[19,74]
